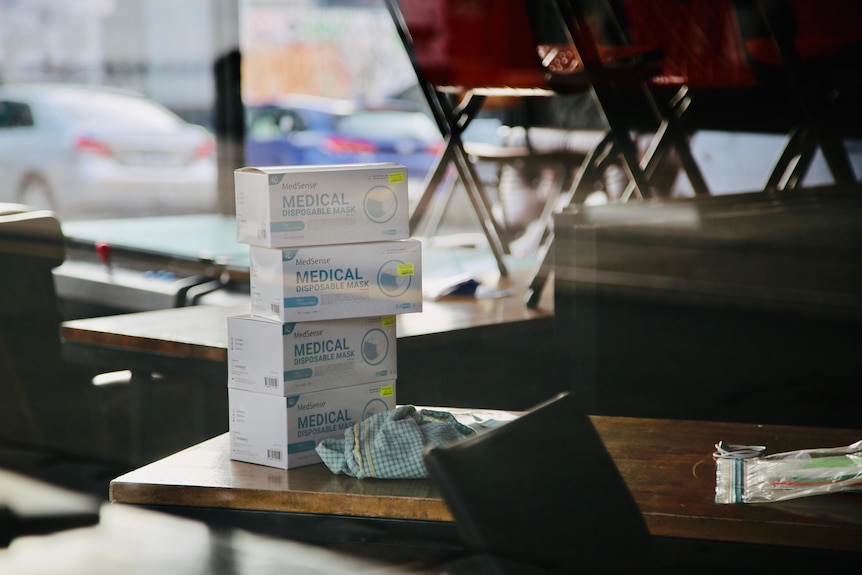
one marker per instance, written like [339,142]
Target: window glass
[111,111]
[393,124]
[121,110]
[15,115]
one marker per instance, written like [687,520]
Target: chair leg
[809,93]
[541,274]
[458,118]
[590,171]
[670,135]
[537,234]
[792,165]
[441,206]
[452,122]
[580,188]
[33,429]
[482,207]
[432,183]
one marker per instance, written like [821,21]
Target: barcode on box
[270,382]
[261,234]
[275,308]
[273,454]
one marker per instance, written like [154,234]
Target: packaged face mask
[336,281]
[284,432]
[293,206]
[297,357]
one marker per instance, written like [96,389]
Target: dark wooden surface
[456,352]
[200,332]
[667,465]
[460,351]
[742,307]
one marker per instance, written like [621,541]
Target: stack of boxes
[331,266]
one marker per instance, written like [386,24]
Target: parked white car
[87,151]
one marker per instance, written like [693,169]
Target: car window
[15,115]
[111,110]
[391,124]
[274,124]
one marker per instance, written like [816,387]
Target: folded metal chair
[465,51]
[812,52]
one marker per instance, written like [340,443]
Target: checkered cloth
[390,445]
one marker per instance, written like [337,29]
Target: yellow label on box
[386,391]
[396,178]
[387,320]
[406,269]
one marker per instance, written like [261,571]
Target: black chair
[542,494]
[627,96]
[51,414]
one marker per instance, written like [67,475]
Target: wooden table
[667,464]
[195,338]
[190,344]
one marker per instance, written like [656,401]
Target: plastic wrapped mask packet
[745,475]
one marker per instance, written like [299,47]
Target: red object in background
[92,146]
[339,145]
[474,43]
[699,39]
[821,29]
[103,251]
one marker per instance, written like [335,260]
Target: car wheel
[35,192]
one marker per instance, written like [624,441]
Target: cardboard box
[284,431]
[294,206]
[289,358]
[336,281]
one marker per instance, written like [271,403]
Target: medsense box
[293,206]
[289,358]
[283,432]
[336,281]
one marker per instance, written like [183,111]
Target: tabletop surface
[212,238]
[667,465]
[200,332]
[205,236]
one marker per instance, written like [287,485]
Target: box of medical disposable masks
[289,358]
[284,431]
[336,281]
[295,206]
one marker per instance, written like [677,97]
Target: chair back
[700,40]
[472,44]
[31,246]
[543,491]
[816,30]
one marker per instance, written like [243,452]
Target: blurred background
[217,84]
[117,109]
[272,82]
